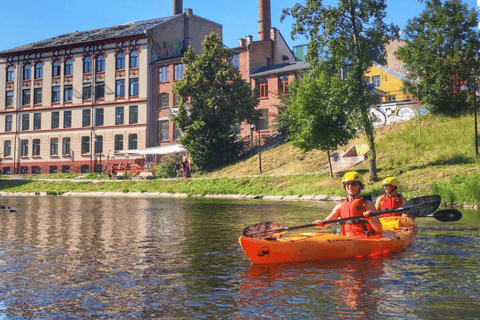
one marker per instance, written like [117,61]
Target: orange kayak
[325,246]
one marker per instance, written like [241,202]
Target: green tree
[347,38]
[442,47]
[315,120]
[213,99]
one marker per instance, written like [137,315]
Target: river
[136,258]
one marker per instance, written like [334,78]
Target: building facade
[80,101]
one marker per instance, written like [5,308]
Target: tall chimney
[264,20]
[177,7]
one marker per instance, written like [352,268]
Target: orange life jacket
[356,228]
[388,202]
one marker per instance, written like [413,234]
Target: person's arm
[373,220]
[378,202]
[335,214]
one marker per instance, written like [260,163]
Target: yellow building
[387,84]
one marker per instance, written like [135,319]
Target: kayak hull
[325,246]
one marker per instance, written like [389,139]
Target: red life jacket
[356,228]
[387,202]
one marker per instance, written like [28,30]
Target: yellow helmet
[391,180]
[352,176]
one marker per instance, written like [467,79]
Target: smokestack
[264,20]
[177,7]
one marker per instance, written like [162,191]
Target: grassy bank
[435,155]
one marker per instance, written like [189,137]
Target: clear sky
[27,21]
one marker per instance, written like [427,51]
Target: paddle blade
[422,206]
[449,215]
[259,228]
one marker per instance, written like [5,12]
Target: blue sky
[26,21]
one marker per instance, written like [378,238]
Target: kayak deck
[326,246]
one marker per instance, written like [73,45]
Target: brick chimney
[177,7]
[264,20]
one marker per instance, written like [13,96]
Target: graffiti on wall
[389,113]
[161,49]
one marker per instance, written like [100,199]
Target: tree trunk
[329,163]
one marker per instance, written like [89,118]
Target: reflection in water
[76,258]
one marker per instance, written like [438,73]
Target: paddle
[417,207]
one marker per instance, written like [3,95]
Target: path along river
[80,258]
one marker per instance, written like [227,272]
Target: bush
[165,168]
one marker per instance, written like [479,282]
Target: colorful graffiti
[161,49]
[389,113]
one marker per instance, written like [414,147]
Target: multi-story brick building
[76,102]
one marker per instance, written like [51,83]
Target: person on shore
[355,205]
[391,199]
[176,168]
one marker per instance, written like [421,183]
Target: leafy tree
[315,120]
[213,99]
[442,47]
[346,38]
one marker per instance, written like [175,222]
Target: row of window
[376,81]
[178,72]
[67,118]
[262,85]
[68,66]
[54,151]
[68,93]
[85,168]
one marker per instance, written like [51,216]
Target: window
[35,169]
[65,169]
[366,80]
[26,97]
[68,67]
[99,90]
[56,94]
[120,88]
[25,121]
[85,144]
[67,94]
[24,148]
[87,64]
[177,133]
[56,68]
[175,101]
[66,146]
[134,86]
[84,168]
[6,170]
[133,114]
[262,85]
[36,147]
[118,142]
[132,141]
[119,115]
[100,66]
[163,130]
[163,74]
[39,70]
[163,100]
[67,119]
[85,117]
[27,72]
[87,92]
[7,148]
[55,119]
[263,119]
[179,71]
[120,61]
[8,123]
[53,169]
[23,169]
[37,95]
[376,81]
[9,98]
[99,117]
[98,144]
[236,60]
[37,121]
[10,74]
[134,59]
[282,84]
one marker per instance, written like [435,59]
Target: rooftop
[280,68]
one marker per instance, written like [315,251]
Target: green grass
[439,158]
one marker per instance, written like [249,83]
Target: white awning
[171,148]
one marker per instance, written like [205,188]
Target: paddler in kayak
[355,205]
[391,199]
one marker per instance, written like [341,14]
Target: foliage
[345,39]
[442,47]
[213,99]
[316,121]
[165,169]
